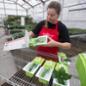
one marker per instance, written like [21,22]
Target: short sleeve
[38,27]
[63,33]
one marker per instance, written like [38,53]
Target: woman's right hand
[31,34]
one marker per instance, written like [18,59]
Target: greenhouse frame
[21,65]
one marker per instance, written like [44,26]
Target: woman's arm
[37,29]
[64,39]
[64,45]
[53,43]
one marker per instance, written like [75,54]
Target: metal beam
[16,8]
[23,4]
[11,3]
[14,14]
[10,9]
[42,1]
[6,2]
[28,3]
[17,3]
[38,4]
[77,9]
[4,7]
[74,5]
[34,6]
[46,0]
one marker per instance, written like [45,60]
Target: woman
[56,31]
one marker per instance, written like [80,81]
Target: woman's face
[52,16]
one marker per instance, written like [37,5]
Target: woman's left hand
[51,43]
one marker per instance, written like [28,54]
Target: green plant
[61,73]
[18,35]
[15,31]
[14,22]
[11,20]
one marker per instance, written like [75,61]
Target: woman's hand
[51,43]
[31,34]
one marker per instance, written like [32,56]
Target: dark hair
[55,5]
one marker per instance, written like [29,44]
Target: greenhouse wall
[73,13]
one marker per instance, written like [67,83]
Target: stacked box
[31,68]
[45,72]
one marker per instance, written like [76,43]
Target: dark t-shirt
[63,32]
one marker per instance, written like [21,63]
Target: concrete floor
[72,69]
[7,65]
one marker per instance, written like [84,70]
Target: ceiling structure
[19,7]
[37,8]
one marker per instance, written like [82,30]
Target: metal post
[26,12]
[4,7]
[62,5]
[43,9]
[16,8]
[43,3]
[33,11]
